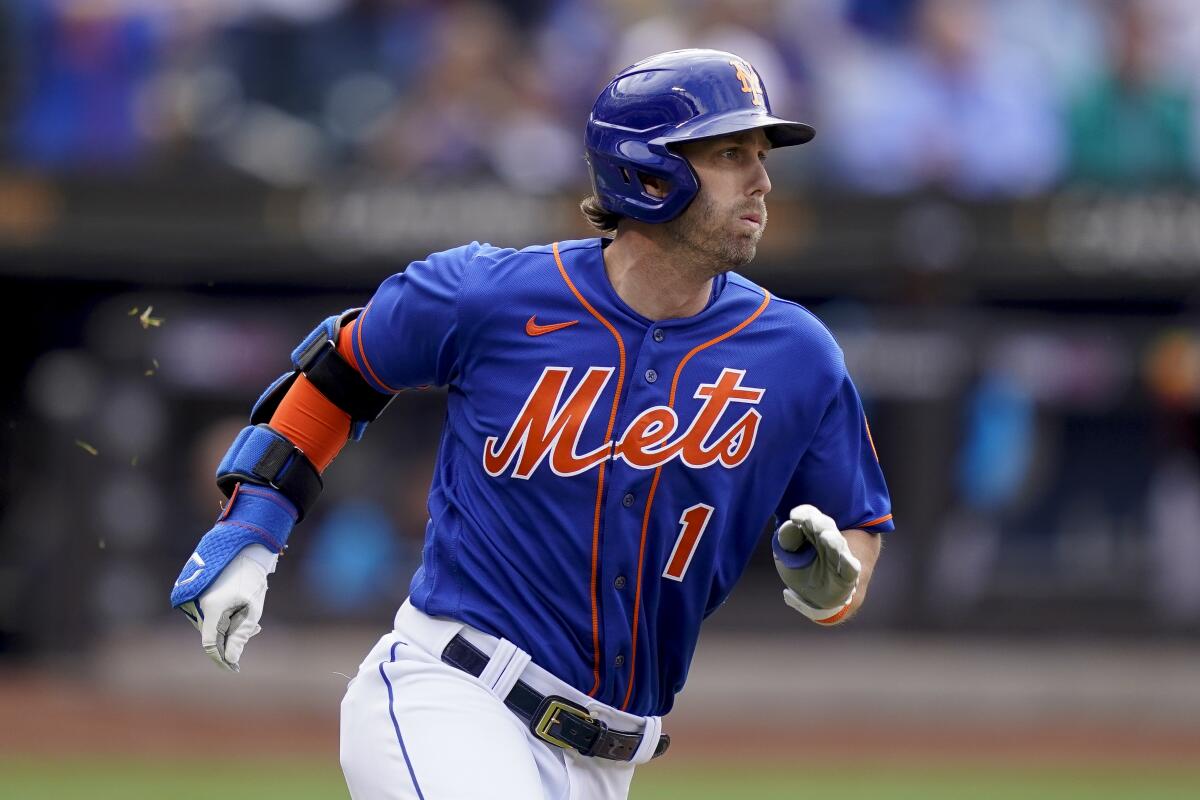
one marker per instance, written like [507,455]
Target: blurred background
[999,219]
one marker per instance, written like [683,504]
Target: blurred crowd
[981,98]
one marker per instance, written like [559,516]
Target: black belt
[552,718]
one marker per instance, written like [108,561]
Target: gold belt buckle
[554,707]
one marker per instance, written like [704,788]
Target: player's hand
[227,613]
[814,560]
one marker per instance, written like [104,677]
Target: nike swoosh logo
[533,329]
[198,561]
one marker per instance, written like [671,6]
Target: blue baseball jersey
[603,478]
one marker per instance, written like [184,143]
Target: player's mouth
[753,219]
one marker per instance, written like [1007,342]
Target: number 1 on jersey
[692,523]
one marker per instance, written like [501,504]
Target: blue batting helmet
[668,98]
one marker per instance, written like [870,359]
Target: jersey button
[620,660]
[619,582]
[627,500]
[659,335]
[651,376]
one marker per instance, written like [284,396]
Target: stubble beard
[709,234]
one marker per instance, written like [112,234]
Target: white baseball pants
[415,728]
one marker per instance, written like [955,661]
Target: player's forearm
[272,475]
[866,548]
[303,419]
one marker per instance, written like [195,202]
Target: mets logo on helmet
[548,428]
[749,78]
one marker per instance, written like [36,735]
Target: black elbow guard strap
[318,359]
[261,455]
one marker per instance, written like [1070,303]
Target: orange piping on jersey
[612,421]
[879,521]
[357,325]
[870,438]
[678,370]
[637,595]
[312,422]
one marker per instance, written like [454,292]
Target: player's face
[729,214]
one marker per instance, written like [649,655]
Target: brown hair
[598,216]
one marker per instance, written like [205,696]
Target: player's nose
[760,181]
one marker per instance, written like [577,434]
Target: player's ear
[655,186]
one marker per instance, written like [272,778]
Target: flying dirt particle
[149,321]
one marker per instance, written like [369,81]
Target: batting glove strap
[263,456]
[821,616]
[253,515]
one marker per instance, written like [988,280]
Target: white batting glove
[822,584]
[230,608]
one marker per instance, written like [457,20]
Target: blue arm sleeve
[406,337]
[840,473]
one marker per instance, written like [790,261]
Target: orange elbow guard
[312,422]
[325,400]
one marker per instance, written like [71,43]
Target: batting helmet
[673,97]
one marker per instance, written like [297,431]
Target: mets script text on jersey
[544,427]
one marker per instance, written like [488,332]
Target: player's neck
[654,281]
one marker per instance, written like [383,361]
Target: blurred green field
[206,778]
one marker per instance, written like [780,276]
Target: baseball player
[624,414]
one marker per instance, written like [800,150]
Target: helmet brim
[780,132]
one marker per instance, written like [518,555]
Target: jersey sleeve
[840,472]
[407,336]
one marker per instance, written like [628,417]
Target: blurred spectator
[997,454]
[84,65]
[995,466]
[1062,39]
[10,59]
[442,125]
[572,49]
[885,20]
[739,26]
[951,106]
[315,81]
[749,29]
[338,66]
[1174,546]
[530,148]
[1129,125]
[353,559]
[1171,371]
